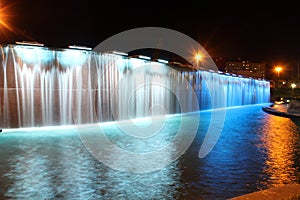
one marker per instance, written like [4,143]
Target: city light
[198,57]
[5,15]
[278,69]
[293,86]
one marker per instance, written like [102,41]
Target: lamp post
[293,86]
[198,57]
[278,69]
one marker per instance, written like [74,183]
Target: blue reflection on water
[255,151]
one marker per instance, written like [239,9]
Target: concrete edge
[285,192]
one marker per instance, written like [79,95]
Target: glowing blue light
[121,64]
[72,57]
[135,63]
[34,54]
[158,68]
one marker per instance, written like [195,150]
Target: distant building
[220,63]
[246,68]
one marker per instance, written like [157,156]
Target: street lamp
[4,18]
[293,85]
[278,69]
[198,57]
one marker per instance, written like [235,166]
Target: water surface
[255,151]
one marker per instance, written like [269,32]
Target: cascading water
[41,87]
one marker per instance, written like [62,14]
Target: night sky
[264,31]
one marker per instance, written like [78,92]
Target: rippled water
[255,151]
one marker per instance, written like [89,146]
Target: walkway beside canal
[285,192]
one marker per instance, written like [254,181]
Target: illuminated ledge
[288,192]
[80,47]
[28,43]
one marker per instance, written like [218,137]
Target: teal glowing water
[52,163]
[45,87]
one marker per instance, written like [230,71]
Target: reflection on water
[256,150]
[280,140]
[52,167]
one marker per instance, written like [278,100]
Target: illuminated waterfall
[41,87]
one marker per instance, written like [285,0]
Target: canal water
[255,151]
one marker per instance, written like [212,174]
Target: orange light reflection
[280,140]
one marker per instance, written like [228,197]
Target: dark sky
[256,30]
